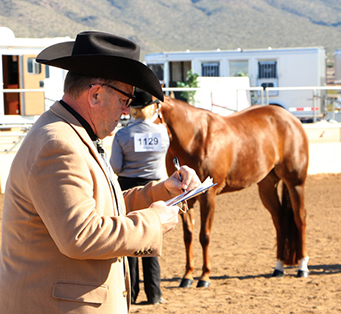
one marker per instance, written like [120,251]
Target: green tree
[191,81]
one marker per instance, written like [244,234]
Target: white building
[274,68]
[19,70]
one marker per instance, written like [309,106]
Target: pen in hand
[177,167]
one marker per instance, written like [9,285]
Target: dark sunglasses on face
[130,99]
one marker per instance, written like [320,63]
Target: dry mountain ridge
[160,25]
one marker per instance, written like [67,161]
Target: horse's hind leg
[188,227]
[269,196]
[296,192]
[289,219]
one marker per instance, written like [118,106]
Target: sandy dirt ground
[243,255]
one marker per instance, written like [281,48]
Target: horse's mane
[186,105]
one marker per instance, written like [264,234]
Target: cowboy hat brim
[115,67]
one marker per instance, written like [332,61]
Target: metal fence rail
[314,89]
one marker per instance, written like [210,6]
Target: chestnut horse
[261,144]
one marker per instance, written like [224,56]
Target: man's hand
[168,215]
[190,180]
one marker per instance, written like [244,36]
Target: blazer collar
[83,122]
[69,118]
[58,109]
[64,114]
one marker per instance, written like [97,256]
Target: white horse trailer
[267,68]
[27,87]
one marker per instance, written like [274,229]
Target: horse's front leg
[188,227]
[207,206]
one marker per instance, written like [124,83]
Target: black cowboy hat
[143,99]
[103,55]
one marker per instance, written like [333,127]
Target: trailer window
[267,69]
[157,69]
[47,71]
[33,67]
[210,69]
[239,68]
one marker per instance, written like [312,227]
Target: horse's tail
[289,246]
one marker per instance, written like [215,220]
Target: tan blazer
[62,239]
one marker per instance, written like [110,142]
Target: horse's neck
[181,122]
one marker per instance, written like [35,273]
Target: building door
[178,73]
[33,78]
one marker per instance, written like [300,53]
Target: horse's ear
[164,98]
[154,98]
[171,94]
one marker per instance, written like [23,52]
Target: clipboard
[202,188]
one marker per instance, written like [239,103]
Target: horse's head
[160,108]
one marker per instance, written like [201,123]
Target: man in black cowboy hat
[67,226]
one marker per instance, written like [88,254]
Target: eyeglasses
[130,99]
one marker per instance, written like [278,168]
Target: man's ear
[94,95]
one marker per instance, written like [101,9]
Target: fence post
[314,104]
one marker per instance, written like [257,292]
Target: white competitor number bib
[147,142]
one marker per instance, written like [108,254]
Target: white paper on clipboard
[203,187]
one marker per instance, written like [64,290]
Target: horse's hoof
[303,273]
[203,284]
[278,273]
[185,283]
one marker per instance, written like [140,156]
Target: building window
[33,67]
[210,69]
[239,68]
[267,69]
[178,71]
